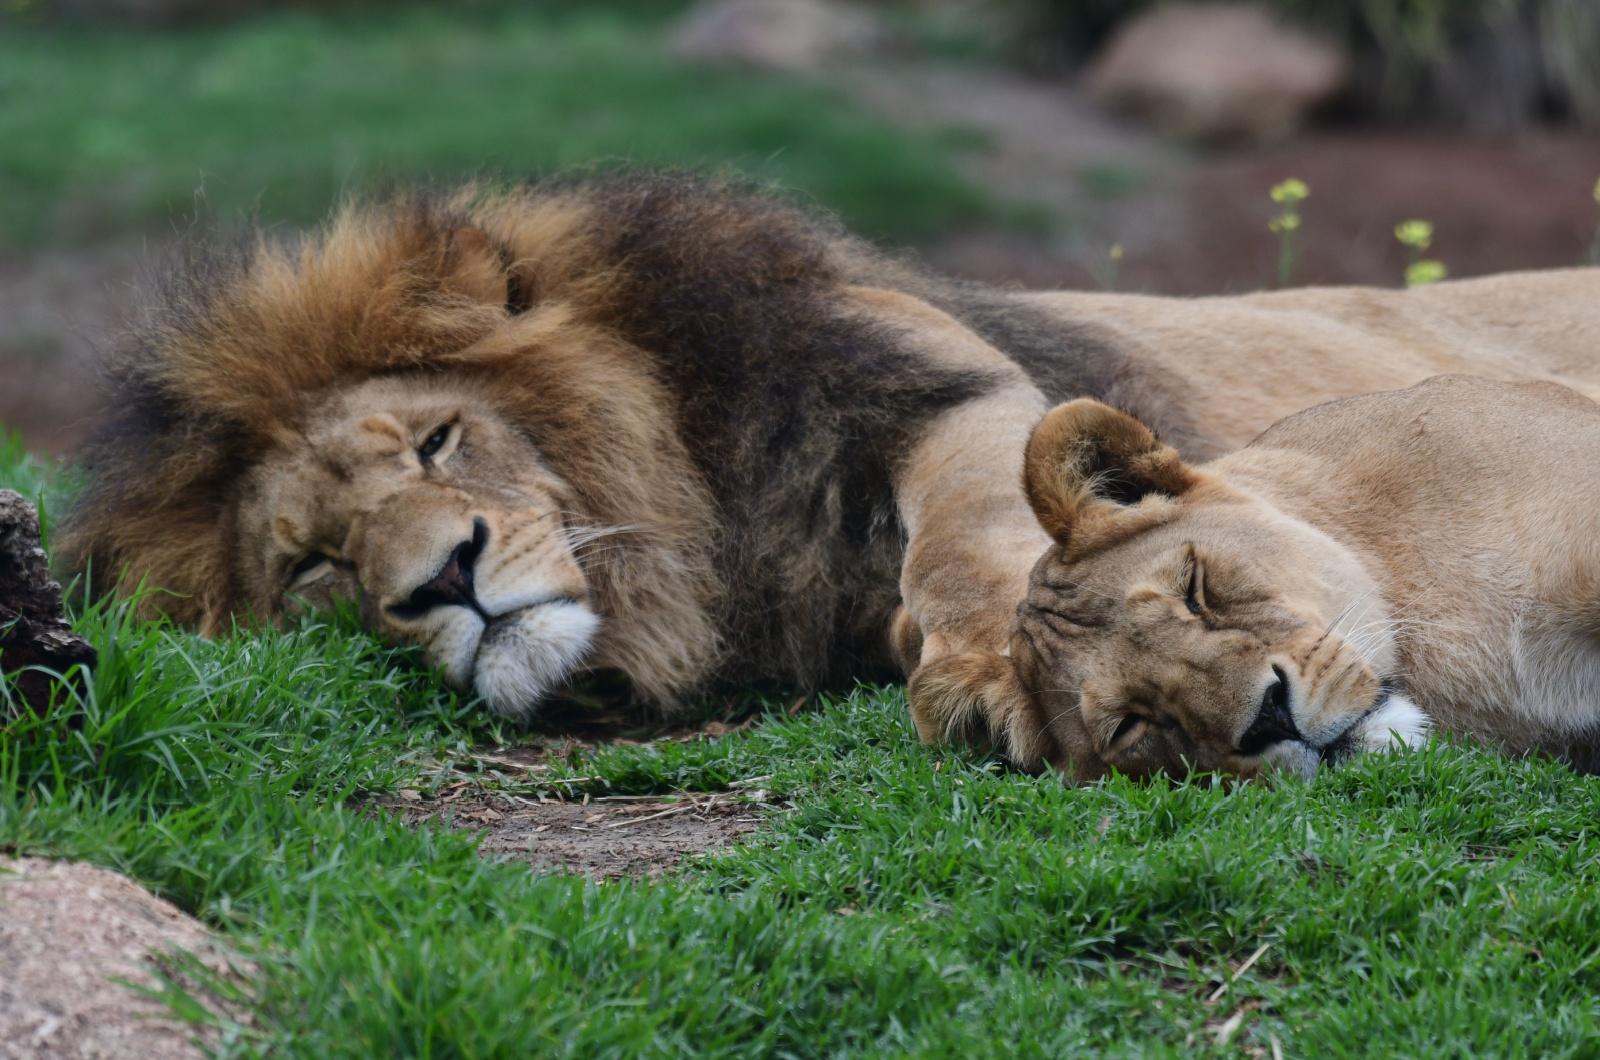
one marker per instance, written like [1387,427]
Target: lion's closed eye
[439,445]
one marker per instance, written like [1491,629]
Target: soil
[1195,222]
[610,837]
[1522,202]
[68,932]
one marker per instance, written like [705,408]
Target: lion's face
[1228,639]
[384,413]
[424,505]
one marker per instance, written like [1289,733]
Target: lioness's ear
[473,269]
[976,698]
[1084,454]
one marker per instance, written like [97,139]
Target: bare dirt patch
[529,805]
[68,931]
[609,837]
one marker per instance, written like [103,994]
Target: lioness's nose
[452,586]
[1273,722]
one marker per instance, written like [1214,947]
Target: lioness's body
[685,433]
[1299,599]
[1473,506]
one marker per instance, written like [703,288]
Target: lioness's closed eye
[1361,568]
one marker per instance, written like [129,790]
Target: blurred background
[1102,144]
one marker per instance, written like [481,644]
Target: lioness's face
[1179,622]
[428,508]
[1227,638]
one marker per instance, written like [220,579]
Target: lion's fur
[676,350]
[773,406]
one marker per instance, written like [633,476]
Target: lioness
[1299,600]
[679,431]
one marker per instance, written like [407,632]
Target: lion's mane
[735,363]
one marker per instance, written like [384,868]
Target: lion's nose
[452,586]
[1273,722]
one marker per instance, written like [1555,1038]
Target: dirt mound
[68,931]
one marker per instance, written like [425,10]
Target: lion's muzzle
[494,600]
[453,585]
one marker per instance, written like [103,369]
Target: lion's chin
[524,654]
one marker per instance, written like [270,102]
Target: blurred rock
[786,35]
[1216,72]
[33,627]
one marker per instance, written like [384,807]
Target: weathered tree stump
[33,625]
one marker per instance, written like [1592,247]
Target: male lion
[1300,599]
[665,428]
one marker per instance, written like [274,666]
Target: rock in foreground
[67,930]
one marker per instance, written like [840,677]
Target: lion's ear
[473,269]
[976,698]
[1085,455]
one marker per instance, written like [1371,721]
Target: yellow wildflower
[1290,192]
[1415,234]
[1426,271]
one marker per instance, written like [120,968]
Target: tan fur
[1247,361]
[749,446]
[1437,545]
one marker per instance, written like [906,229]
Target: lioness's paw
[973,698]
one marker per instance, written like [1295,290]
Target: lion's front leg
[972,540]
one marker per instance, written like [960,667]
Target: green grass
[911,902]
[111,132]
[44,485]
